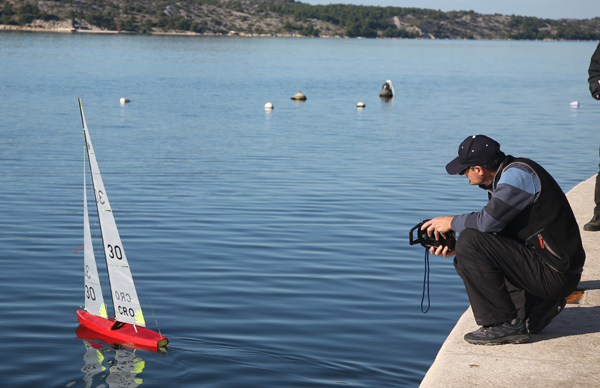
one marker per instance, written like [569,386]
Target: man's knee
[467,240]
[470,251]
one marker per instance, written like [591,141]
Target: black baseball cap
[475,150]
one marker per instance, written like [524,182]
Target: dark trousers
[504,278]
[597,195]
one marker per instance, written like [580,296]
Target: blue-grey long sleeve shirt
[517,188]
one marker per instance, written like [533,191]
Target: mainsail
[94,301]
[125,300]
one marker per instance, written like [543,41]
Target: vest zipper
[543,246]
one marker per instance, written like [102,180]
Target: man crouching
[521,255]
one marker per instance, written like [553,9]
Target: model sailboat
[128,326]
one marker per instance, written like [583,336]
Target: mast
[125,300]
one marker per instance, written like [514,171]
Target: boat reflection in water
[123,367]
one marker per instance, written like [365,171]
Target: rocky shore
[67,27]
[281,18]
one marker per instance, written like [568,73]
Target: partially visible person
[594,224]
[594,81]
[521,255]
[594,72]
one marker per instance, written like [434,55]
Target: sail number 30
[90,293]
[114,252]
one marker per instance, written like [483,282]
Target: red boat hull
[128,335]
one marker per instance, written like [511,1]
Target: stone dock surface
[565,354]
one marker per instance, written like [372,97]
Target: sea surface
[270,247]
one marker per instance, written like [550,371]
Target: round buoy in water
[574,104]
[360,105]
[268,105]
[299,97]
[124,100]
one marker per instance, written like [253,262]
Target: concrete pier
[565,354]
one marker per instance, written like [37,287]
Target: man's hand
[438,227]
[441,251]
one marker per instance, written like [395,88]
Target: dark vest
[547,226]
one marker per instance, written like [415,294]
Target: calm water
[270,247]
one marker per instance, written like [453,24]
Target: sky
[546,9]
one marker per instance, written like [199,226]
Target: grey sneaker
[513,332]
[543,313]
[593,225]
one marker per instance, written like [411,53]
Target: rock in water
[299,97]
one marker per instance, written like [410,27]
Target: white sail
[94,301]
[125,300]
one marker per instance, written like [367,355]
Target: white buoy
[360,105]
[124,100]
[268,105]
[574,104]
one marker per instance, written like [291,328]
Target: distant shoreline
[284,18]
[73,30]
